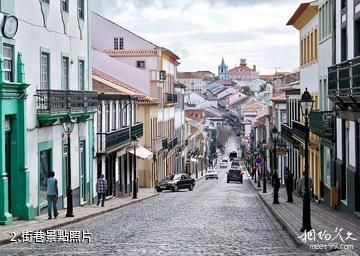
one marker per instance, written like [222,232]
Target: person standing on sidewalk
[101,187]
[276,186]
[289,183]
[52,195]
[302,185]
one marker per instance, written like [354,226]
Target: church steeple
[223,70]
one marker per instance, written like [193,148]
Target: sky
[201,32]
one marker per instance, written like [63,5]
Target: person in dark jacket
[276,186]
[289,183]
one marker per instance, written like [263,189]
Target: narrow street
[215,219]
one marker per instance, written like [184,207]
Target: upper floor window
[81,9]
[44,70]
[140,64]
[65,5]
[45,1]
[118,43]
[65,73]
[113,121]
[81,75]
[8,62]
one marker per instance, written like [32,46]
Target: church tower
[223,71]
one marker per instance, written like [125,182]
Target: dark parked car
[234,175]
[175,182]
[235,163]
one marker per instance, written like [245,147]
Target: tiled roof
[194,75]
[109,82]
[281,97]
[131,52]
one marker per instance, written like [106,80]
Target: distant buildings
[243,72]
[195,81]
[223,71]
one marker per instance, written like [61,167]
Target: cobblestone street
[215,219]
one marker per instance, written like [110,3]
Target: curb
[75,220]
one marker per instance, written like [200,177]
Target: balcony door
[110,174]
[8,157]
[82,172]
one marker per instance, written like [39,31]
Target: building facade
[243,72]
[57,86]
[223,71]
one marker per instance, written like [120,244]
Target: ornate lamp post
[255,154]
[134,142]
[264,172]
[258,166]
[307,104]
[275,134]
[68,124]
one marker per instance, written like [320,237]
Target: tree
[223,133]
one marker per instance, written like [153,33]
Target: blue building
[223,70]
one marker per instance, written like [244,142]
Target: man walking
[52,195]
[289,183]
[101,187]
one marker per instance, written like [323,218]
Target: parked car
[223,165]
[235,162]
[225,160]
[234,175]
[211,174]
[175,182]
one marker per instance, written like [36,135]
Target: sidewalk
[81,213]
[322,219]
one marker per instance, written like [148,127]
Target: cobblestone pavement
[215,219]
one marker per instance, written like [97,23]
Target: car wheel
[227,181]
[175,188]
[159,190]
[191,187]
[206,178]
[217,178]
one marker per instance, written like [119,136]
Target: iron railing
[137,130]
[54,101]
[112,140]
[298,129]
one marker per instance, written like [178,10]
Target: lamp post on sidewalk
[275,180]
[255,165]
[259,163]
[134,142]
[264,172]
[68,125]
[306,104]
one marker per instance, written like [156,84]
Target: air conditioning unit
[162,75]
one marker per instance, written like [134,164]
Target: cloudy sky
[201,32]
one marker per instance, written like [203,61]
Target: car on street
[225,160]
[234,174]
[175,182]
[232,155]
[211,174]
[235,163]
[223,165]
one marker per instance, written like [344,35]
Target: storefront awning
[142,152]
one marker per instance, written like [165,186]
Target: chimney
[254,67]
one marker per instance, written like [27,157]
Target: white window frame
[65,73]
[45,70]
[65,6]
[8,72]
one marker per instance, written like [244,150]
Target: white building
[53,41]
[195,81]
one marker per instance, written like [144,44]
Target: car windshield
[176,177]
[211,171]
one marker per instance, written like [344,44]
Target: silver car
[211,174]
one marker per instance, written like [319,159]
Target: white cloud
[203,31]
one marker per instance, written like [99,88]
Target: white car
[223,165]
[211,174]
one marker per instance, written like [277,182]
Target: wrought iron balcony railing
[137,130]
[344,79]
[55,101]
[112,140]
[298,129]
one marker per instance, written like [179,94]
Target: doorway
[82,172]
[110,174]
[8,158]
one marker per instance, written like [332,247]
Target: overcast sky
[201,32]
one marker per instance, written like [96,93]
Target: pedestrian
[302,185]
[52,195]
[289,183]
[276,185]
[101,187]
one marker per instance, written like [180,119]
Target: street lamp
[134,142]
[258,167]
[264,172]
[275,134]
[255,154]
[68,124]
[306,104]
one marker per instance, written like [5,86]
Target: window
[140,64]
[357,37]
[65,5]
[316,44]
[343,44]
[44,70]
[8,63]
[45,1]
[124,112]
[343,4]
[65,73]
[82,171]
[81,75]
[81,9]
[113,121]
[107,117]
[327,166]
[118,43]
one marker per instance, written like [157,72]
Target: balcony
[344,83]
[170,98]
[286,132]
[172,143]
[322,123]
[137,130]
[111,141]
[298,129]
[164,143]
[53,105]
